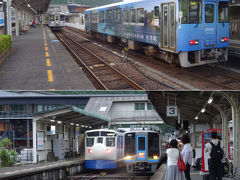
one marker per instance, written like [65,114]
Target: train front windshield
[130,144]
[191,11]
[153,144]
[102,137]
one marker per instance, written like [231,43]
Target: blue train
[188,32]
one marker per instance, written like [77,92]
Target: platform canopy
[190,104]
[38,6]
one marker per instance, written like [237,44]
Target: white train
[103,148]
[56,21]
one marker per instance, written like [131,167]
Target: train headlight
[155,157]
[141,155]
[128,157]
[194,42]
[90,151]
[225,39]
[108,150]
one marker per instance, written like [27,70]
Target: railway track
[103,75]
[208,78]
[118,177]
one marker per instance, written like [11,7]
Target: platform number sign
[172,111]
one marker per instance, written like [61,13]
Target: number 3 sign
[172,111]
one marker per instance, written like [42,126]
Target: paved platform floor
[15,171]
[36,65]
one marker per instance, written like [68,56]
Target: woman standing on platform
[187,155]
[173,153]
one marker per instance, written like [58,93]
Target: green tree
[7,155]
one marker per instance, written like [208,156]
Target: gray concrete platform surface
[26,170]
[40,62]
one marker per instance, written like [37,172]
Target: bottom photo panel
[152,135]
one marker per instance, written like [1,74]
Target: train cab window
[107,133]
[62,18]
[89,142]
[100,140]
[153,144]
[209,13]
[94,133]
[101,16]
[156,11]
[132,16]
[125,16]
[141,143]
[191,11]
[51,17]
[130,144]
[57,17]
[140,16]
[110,142]
[223,12]
[109,16]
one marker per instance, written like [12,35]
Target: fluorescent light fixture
[28,5]
[196,117]
[82,125]
[72,123]
[59,122]
[52,120]
[77,124]
[210,100]
[86,126]
[90,126]
[203,110]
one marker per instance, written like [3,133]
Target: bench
[22,29]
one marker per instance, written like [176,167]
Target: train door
[210,26]
[141,147]
[169,26]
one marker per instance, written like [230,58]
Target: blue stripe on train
[100,164]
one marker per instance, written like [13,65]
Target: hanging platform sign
[1,18]
[172,111]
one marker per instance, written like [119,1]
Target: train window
[209,13]
[125,16]
[141,143]
[132,16]
[62,18]
[101,16]
[140,106]
[107,133]
[110,142]
[119,14]
[100,140]
[130,144]
[87,17]
[114,14]
[140,15]
[95,133]
[223,12]
[109,16]
[156,11]
[90,142]
[153,144]
[191,11]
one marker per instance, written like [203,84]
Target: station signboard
[172,111]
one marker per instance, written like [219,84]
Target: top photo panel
[119,45]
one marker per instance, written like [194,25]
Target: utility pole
[5,15]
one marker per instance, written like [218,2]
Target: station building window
[109,16]
[223,12]
[140,15]
[156,11]
[140,106]
[101,16]
[149,106]
[125,16]
[132,16]
[209,13]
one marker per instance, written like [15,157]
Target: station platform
[39,65]
[234,47]
[33,169]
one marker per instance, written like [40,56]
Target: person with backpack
[173,155]
[187,154]
[216,155]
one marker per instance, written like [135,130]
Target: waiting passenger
[187,154]
[173,153]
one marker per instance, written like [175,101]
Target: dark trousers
[187,172]
[215,170]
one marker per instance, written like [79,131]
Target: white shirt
[208,147]
[187,154]
[173,156]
